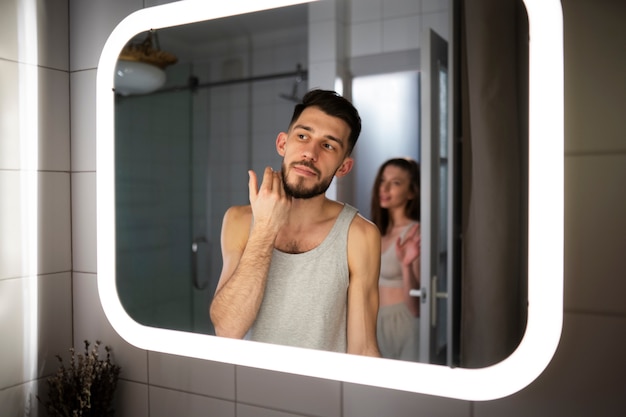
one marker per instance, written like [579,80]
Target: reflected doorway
[389,108]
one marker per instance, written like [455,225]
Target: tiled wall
[585,378]
[35,216]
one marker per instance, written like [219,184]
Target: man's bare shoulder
[236,224]
[364,228]
[363,238]
[237,214]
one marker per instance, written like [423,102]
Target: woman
[396,211]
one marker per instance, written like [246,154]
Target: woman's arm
[408,251]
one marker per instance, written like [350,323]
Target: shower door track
[193,83]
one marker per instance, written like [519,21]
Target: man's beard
[298,190]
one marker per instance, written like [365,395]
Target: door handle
[416,293]
[194,263]
[435,296]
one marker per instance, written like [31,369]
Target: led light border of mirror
[545,252]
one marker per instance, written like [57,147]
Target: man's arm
[240,289]
[364,266]
[247,252]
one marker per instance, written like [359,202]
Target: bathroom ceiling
[285,17]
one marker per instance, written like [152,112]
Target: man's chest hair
[303,239]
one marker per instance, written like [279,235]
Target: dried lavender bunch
[86,388]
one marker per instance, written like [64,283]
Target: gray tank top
[305,300]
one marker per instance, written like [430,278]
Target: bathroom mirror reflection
[226,87]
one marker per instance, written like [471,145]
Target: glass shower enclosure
[182,157]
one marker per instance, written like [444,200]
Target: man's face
[299,189]
[314,151]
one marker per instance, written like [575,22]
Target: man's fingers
[252,186]
[268,178]
[277,182]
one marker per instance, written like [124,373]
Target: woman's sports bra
[390,268]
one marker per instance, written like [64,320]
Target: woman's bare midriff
[389,296]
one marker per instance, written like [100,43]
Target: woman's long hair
[380,216]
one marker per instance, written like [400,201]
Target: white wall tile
[323,40]
[91,324]
[288,393]
[196,376]
[262,62]
[399,8]
[322,74]
[10,120]
[54,120]
[429,6]
[366,10]
[131,399]
[264,149]
[322,10]
[34,101]
[37,315]
[262,93]
[439,22]
[244,410]
[13,236]
[287,57]
[262,119]
[366,38]
[284,111]
[84,222]
[595,233]
[54,222]
[21,400]
[54,320]
[168,403]
[83,121]
[35,35]
[595,91]
[364,401]
[91,23]
[285,47]
[401,33]
[584,379]
[8,30]
[52,34]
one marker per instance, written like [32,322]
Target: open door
[436,328]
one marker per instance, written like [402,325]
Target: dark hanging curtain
[494,96]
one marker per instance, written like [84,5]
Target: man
[300,269]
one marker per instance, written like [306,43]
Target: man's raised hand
[270,204]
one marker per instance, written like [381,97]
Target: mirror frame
[545,232]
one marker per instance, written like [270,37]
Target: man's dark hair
[334,105]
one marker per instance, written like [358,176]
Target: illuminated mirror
[545,212]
